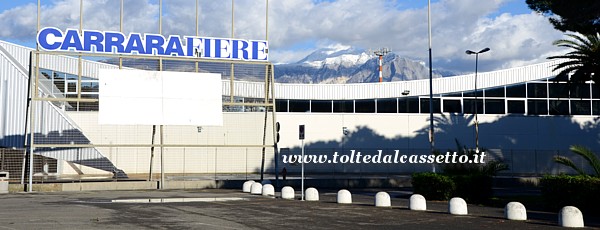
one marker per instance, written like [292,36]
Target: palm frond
[568,162]
[589,156]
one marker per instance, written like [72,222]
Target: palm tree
[583,61]
[588,155]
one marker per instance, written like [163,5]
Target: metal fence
[189,164]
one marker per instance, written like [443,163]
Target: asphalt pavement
[232,209]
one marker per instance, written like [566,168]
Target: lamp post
[469,52]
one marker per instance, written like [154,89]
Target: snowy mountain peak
[330,52]
[336,55]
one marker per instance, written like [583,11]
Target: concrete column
[417,202]
[256,189]
[268,190]
[247,186]
[344,197]
[457,206]
[382,199]
[312,194]
[288,192]
[515,211]
[571,217]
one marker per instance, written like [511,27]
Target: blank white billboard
[138,97]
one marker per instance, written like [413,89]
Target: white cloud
[457,25]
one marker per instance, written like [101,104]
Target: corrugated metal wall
[51,125]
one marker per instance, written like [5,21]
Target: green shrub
[580,191]
[433,186]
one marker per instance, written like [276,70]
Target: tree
[582,16]
[583,62]
[588,155]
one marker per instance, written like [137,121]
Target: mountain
[344,64]
[336,64]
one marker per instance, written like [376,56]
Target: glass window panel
[408,105]
[497,92]
[469,106]
[537,90]
[581,107]
[595,91]
[346,106]
[387,105]
[281,105]
[580,91]
[299,106]
[595,107]
[452,106]
[559,107]
[320,106]
[494,106]
[364,106]
[516,107]
[558,90]
[537,107]
[516,91]
[425,105]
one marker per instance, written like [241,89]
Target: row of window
[465,105]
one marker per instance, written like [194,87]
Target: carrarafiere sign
[110,42]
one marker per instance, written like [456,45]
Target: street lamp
[469,52]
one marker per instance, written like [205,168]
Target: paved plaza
[232,209]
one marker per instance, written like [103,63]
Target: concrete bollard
[268,190]
[256,189]
[382,199]
[247,186]
[344,197]
[457,206]
[288,192]
[311,194]
[571,217]
[417,202]
[515,211]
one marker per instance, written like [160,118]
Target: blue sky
[515,35]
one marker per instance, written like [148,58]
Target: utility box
[4,182]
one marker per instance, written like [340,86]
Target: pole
[476,107]
[302,186]
[431,131]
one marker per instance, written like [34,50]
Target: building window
[299,106]
[364,106]
[469,106]
[595,107]
[452,106]
[537,90]
[408,105]
[516,91]
[387,105]
[281,105]
[497,92]
[581,107]
[558,107]
[425,105]
[537,107]
[517,107]
[320,106]
[494,106]
[346,106]
[558,90]
[581,91]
